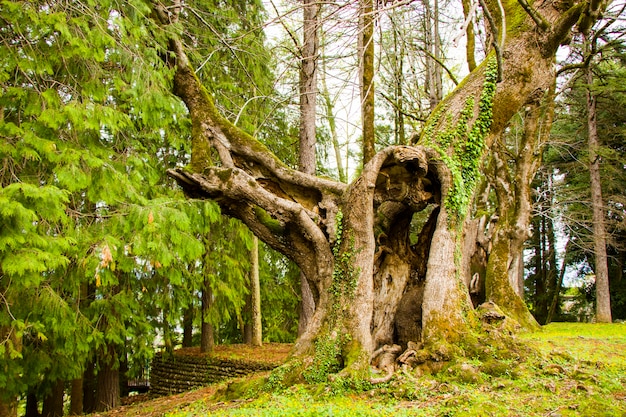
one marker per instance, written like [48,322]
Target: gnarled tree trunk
[370,278]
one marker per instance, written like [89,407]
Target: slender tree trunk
[168,337]
[603,297]
[504,275]
[554,303]
[470,45]
[307,154]
[89,388]
[207,338]
[255,293]
[76,397]
[188,327]
[53,403]
[366,47]
[434,81]
[329,113]
[123,372]
[108,380]
[398,84]
[308,86]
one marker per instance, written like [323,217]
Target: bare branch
[539,20]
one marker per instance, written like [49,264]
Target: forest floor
[575,370]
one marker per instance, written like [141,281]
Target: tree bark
[207,338]
[366,63]
[504,274]
[89,388]
[603,297]
[255,292]
[53,402]
[108,380]
[188,327]
[76,397]
[307,154]
[308,85]
[32,405]
[470,45]
[432,61]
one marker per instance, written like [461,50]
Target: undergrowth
[576,370]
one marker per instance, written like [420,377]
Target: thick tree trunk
[76,397]
[32,405]
[504,274]
[351,242]
[53,403]
[108,380]
[603,296]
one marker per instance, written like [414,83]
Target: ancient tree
[375,282]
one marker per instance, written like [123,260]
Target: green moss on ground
[576,369]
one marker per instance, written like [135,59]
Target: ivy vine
[467,144]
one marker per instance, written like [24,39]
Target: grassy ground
[576,370]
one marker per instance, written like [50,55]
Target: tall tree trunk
[397,59]
[32,405]
[108,379]
[76,397]
[504,275]
[188,327]
[470,45]
[255,294]
[90,385]
[434,86]
[603,296]
[307,154]
[168,334]
[366,65]
[329,114]
[53,403]
[207,338]
[556,298]
[308,85]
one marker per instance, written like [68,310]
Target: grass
[575,370]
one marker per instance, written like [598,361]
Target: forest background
[104,261]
